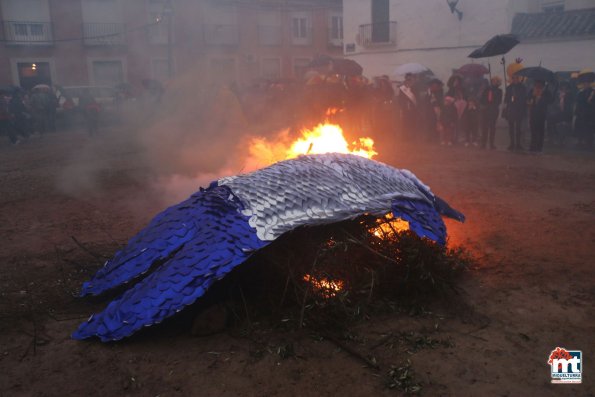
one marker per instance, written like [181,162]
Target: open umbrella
[42,87]
[537,73]
[409,68]
[497,45]
[472,70]
[319,61]
[347,67]
[586,76]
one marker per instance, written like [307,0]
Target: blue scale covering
[198,242]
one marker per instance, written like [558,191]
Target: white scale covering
[319,189]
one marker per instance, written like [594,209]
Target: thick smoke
[194,134]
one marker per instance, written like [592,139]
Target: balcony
[27,32]
[221,35]
[378,34]
[104,34]
[270,35]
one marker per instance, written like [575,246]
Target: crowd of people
[44,109]
[462,115]
[23,113]
[421,108]
[464,111]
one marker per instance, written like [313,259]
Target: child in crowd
[471,122]
[448,121]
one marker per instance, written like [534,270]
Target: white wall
[556,56]
[430,24]
[26,10]
[102,11]
[428,33]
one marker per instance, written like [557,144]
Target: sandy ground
[531,227]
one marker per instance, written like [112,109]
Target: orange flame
[325,287]
[329,138]
[324,138]
[389,226]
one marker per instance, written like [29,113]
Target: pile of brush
[331,276]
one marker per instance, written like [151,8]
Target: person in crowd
[53,106]
[40,107]
[6,127]
[515,109]
[470,122]
[431,109]
[382,95]
[585,116]
[91,109]
[457,91]
[539,100]
[448,121]
[560,114]
[19,114]
[489,102]
[408,107]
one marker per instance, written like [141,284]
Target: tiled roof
[566,24]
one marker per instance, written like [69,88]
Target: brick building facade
[106,42]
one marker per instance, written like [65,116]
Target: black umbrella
[347,67]
[497,45]
[321,60]
[537,73]
[586,77]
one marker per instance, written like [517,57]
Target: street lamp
[168,12]
[453,8]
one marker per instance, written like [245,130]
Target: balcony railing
[269,35]
[222,35]
[27,32]
[104,34]
[380,33]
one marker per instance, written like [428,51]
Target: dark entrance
[33,73]
[380,21]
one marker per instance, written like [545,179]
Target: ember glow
[389,226]
[323,286]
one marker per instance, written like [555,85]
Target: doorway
[33,73]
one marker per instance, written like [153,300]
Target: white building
[382,34]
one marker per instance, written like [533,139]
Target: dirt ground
[530,226]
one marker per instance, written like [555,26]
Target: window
[36,29]
[28,31]
[336,27]
[551,9]
[108,73]
[270,68]
[335,30]
[380,21]
[299,28]
[551,6]
[20,29]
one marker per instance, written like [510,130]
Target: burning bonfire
[323,138]
[321,181]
